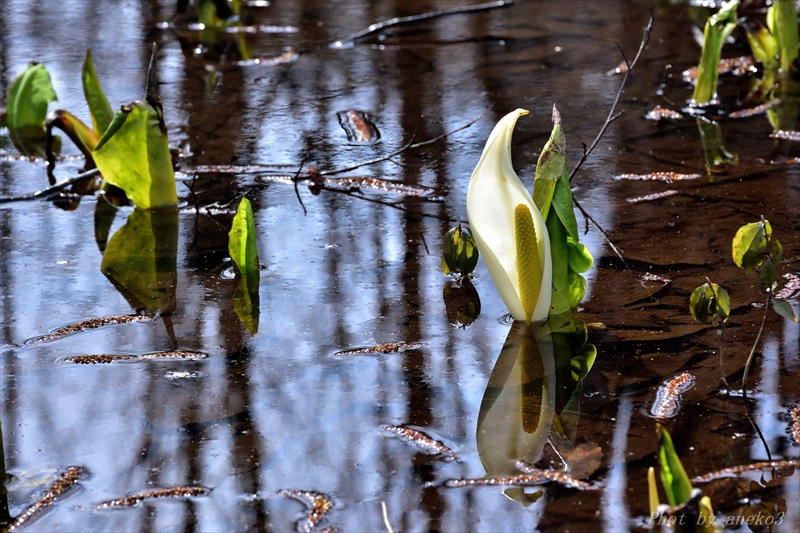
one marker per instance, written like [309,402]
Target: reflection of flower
[508,228]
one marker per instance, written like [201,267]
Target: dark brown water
[279,410]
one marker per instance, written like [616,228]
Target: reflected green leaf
[574,359]
[713,149]
[140,260]
[517,409]
[244,253]
[133,154]
[100,109]
[673,476]
[28,97]
[784,309]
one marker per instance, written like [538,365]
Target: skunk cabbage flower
[508,228]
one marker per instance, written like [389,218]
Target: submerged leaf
[28,98]
[244,253]
[133,154]
[673,476]
[100,109]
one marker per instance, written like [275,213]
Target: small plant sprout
[756,250]
[459,252]
[28,98]
[710,303]
[718,28]
[508,228]
[244,253]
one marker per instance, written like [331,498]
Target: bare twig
[378,27]
[53,189]
[755,344]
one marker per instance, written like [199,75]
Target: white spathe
[493,194]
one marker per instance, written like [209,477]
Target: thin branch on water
[378,27]
[44,194]
[612,116]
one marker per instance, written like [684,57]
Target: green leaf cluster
[244,253]
[553,197]
[459,252]
[718,28]
[754,248]
[710,302]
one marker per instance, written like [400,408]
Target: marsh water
[283,409]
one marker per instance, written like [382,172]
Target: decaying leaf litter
[667,298]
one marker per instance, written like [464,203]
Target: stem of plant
[755,344]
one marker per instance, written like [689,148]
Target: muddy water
[280,410]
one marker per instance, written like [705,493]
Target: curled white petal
[493,194]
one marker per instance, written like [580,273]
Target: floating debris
[93,359]
[668,397]
[659,113]
[382,348]
[421,441]
[522,480]
[622,68]
[187,356]
[65,482]
[786,135]
[753,111]
[229,169]
[793,417]
[261,28]
[651,197]
[286,57]
[175,375]
[92,323]
[791,286]
[737,66]
[135,499]
[655,277]
[318,505]
[375,184]
[743,469]
[552,476]
[358,126]
[667,177]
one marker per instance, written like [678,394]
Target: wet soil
[303,405]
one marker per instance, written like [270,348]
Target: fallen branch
[44,194]
[364,34]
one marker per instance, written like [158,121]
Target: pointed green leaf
[777,252]
[782,21]
[673,476]
[141,260]
[766,273]
[717,29]
[100,109]
[652,490]
[28,98]
[549,167]
[784,309]
[562,203]
[244,253]
[762,44]
[133,154]
[709,303]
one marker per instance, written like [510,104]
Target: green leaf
[762,44]
[784,309]
[560,299]
[777,252]
[652,491]
[549,167]
[717,29]
[83,137]
[100,109]
[710,302]
[673,476]
[749,245]
[562,203]
[141,260]
[244,253]
[766,273]
[782,22]
[133,154]
[28,98]
[577,289]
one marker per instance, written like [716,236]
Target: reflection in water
[614,502]
[461,301]
[140,260]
